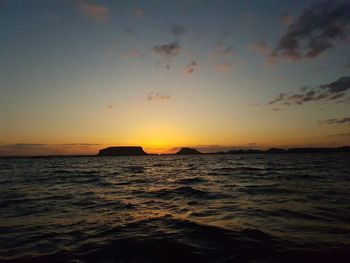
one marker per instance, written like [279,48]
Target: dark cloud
[336,121]
[156,96]
[177,30]
[341,85]
[278,98]
[168,51]
[316,30]
[327,92]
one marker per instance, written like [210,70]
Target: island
[122,151]
[188,151]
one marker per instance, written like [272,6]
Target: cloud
[316,30]
[97,12]
[133,53]
[263,49]
[339,135]
[138,12]
[256,104]
[228,51]
[43,145]
[177,30]
[79,144]
[286,18]
[24,145]
[327,92]
[168,51]
[129,30]
[190,67]
[347,64]
[341,85]
[278,98]
[156,96]
[222,52]
[224,67]
[336,121]
[110,107]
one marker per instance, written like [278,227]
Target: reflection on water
[261,208]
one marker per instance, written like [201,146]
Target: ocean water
[209,208]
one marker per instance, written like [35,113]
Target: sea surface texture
[209,208]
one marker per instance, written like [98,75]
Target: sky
[80,75]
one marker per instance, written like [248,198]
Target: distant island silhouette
[188,151]
[291,150]
[138,151]
[122,151]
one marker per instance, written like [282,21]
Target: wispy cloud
[24,145]
[327,92]
[43,145]
[336,121]
[222,56]
[286,18]
[96,12]
[168,51]
[319,28]
[110,107]
[138,12]
[279,98]
[224,67]
[339,135]
[190,67]
[133,53]
[222,52]
[263,49]
[156,96]
[177,30]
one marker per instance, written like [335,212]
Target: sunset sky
[77,76]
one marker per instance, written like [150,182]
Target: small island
[122,151]
[188,151]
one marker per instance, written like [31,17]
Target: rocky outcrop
[188,151]
[122,151]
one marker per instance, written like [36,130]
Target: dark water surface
[212,208]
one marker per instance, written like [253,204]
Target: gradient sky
[76,76]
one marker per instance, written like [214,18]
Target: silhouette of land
[188,151]
[138,151]
[122,151]
[291,150]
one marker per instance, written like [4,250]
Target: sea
[205,208]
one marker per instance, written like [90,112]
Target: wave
[169,239]
[185,191]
